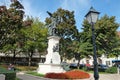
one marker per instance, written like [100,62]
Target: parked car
[101,67]
[74,65]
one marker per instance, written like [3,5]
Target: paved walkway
[102,77]
[107,77]
[29,77]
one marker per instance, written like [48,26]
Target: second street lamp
[92,17]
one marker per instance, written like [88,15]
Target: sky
[38,8]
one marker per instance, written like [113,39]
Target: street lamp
[92,17]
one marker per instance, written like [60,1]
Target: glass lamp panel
[88,17]
[94,17]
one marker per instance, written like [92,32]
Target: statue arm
[50,14]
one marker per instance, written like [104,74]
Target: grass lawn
[26,68]
[35,74]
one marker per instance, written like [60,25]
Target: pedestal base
[53,58]
[46,68]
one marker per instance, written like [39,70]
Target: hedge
[9,75]
[111,70]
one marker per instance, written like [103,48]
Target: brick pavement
[107,77]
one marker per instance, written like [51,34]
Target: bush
[111,70]
[74,74]
[9,75]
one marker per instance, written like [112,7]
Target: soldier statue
[52,27]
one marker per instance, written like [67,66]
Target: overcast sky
[38,8]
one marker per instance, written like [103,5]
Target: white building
[103,59]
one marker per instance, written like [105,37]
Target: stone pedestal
[46,68]
[53,57]
[52,63]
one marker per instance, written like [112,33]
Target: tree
[105,32]
[116,50]
[34,38]
[11,21]
[81,46]
[66,29]
[86,47]
[10,24]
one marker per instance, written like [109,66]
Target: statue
[52,27]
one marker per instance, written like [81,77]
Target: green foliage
[35,35]
[34,38]
[85,40]
[116,50]
[106,37]
[9,75]
[10,23]
[111,70]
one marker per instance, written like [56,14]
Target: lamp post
[92,17]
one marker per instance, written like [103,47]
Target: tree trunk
[29,63]
[14,55]
[30,58]
[78,64]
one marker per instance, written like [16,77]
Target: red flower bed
[74,74]
[77,74]
[56,76]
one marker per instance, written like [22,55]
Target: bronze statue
[52,26]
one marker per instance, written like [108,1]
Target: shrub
[111,70]
[74,74]
[9,75]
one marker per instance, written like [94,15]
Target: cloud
[75,4]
